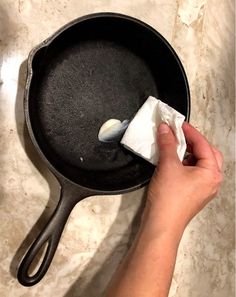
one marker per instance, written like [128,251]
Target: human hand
[178,191]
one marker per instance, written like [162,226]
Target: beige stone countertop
[100,229]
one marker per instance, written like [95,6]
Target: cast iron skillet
[97,67]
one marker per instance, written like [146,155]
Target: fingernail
[163,129]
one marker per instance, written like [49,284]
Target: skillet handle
[51,235]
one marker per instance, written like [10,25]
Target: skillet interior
[97,69]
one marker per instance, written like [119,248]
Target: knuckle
[165,145]
[220,155]
[211,181]
[214,179]
[217,178]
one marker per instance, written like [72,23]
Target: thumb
[167,143]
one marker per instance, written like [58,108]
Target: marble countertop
[100,229]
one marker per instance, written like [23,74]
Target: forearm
[148,267]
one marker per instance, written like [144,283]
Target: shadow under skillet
[87,286]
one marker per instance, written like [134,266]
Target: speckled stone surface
[100,229]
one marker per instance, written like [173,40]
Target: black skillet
[97,67]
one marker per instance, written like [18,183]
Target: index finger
[201,148]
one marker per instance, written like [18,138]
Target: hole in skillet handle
[37,261]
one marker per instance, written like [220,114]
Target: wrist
[158,222]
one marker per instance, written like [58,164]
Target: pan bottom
[83,85]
